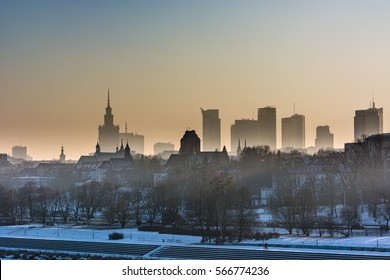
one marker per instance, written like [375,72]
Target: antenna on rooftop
[294,107]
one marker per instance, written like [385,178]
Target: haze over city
[164,60]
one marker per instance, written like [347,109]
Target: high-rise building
[211,130]
[324,139]
[267,119]
[293,132]
[368,122]
[135,141]
[247,131]
[19,152]
[108,132]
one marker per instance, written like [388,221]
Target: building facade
[136,141]
[267,119]
[368,122]
[324,139]
[245,131]
[19,152]
[293,132]
[211,130]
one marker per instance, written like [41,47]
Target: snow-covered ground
[373,240]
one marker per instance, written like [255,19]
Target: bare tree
[244,215]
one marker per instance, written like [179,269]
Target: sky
[164,60]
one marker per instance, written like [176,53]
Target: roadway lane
[193,252]
[77,246]
[212,253]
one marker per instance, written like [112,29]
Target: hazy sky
[163,60]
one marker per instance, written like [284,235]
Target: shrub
[115,236]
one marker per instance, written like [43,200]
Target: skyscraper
[368,122]
[246,131]
[136,141]
[211,130]
[324,139]
[108,132]
[19,152]
[293,132]
[267,119]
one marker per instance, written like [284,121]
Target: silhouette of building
[324,139]
[267,119]
[293,132]
[136,141]
[211,130]
[108,132]
[247,130]
[368,122]
[190,156]
[190,143]
[260,132]
[162,147]
[62,155]
[19,152]
[113,166]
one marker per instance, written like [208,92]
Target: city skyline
[164,60]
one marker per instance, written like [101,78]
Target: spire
[108,98]
[239,150]
[127,151]
[97,147]
[126,127]
[62,155]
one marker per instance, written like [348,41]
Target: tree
[287,183]
[151,205]
[44,203]
[256,165]
[125,206]
[305,209]
[91,197]
[244,215]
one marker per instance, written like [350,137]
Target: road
[196,252]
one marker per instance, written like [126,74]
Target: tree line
[324,192]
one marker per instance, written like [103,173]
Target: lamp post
[377,236]
[173,232]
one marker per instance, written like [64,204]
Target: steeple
[127,151]
[239,150]
[62,155]
[97,148]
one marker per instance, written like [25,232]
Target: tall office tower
[293,132]
[247,131]
[19,152]
[368,122]
[135,141]
[211,130]
[267,119]
[324,139]
[108,132]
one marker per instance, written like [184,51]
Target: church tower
[108,132]
[62,155]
